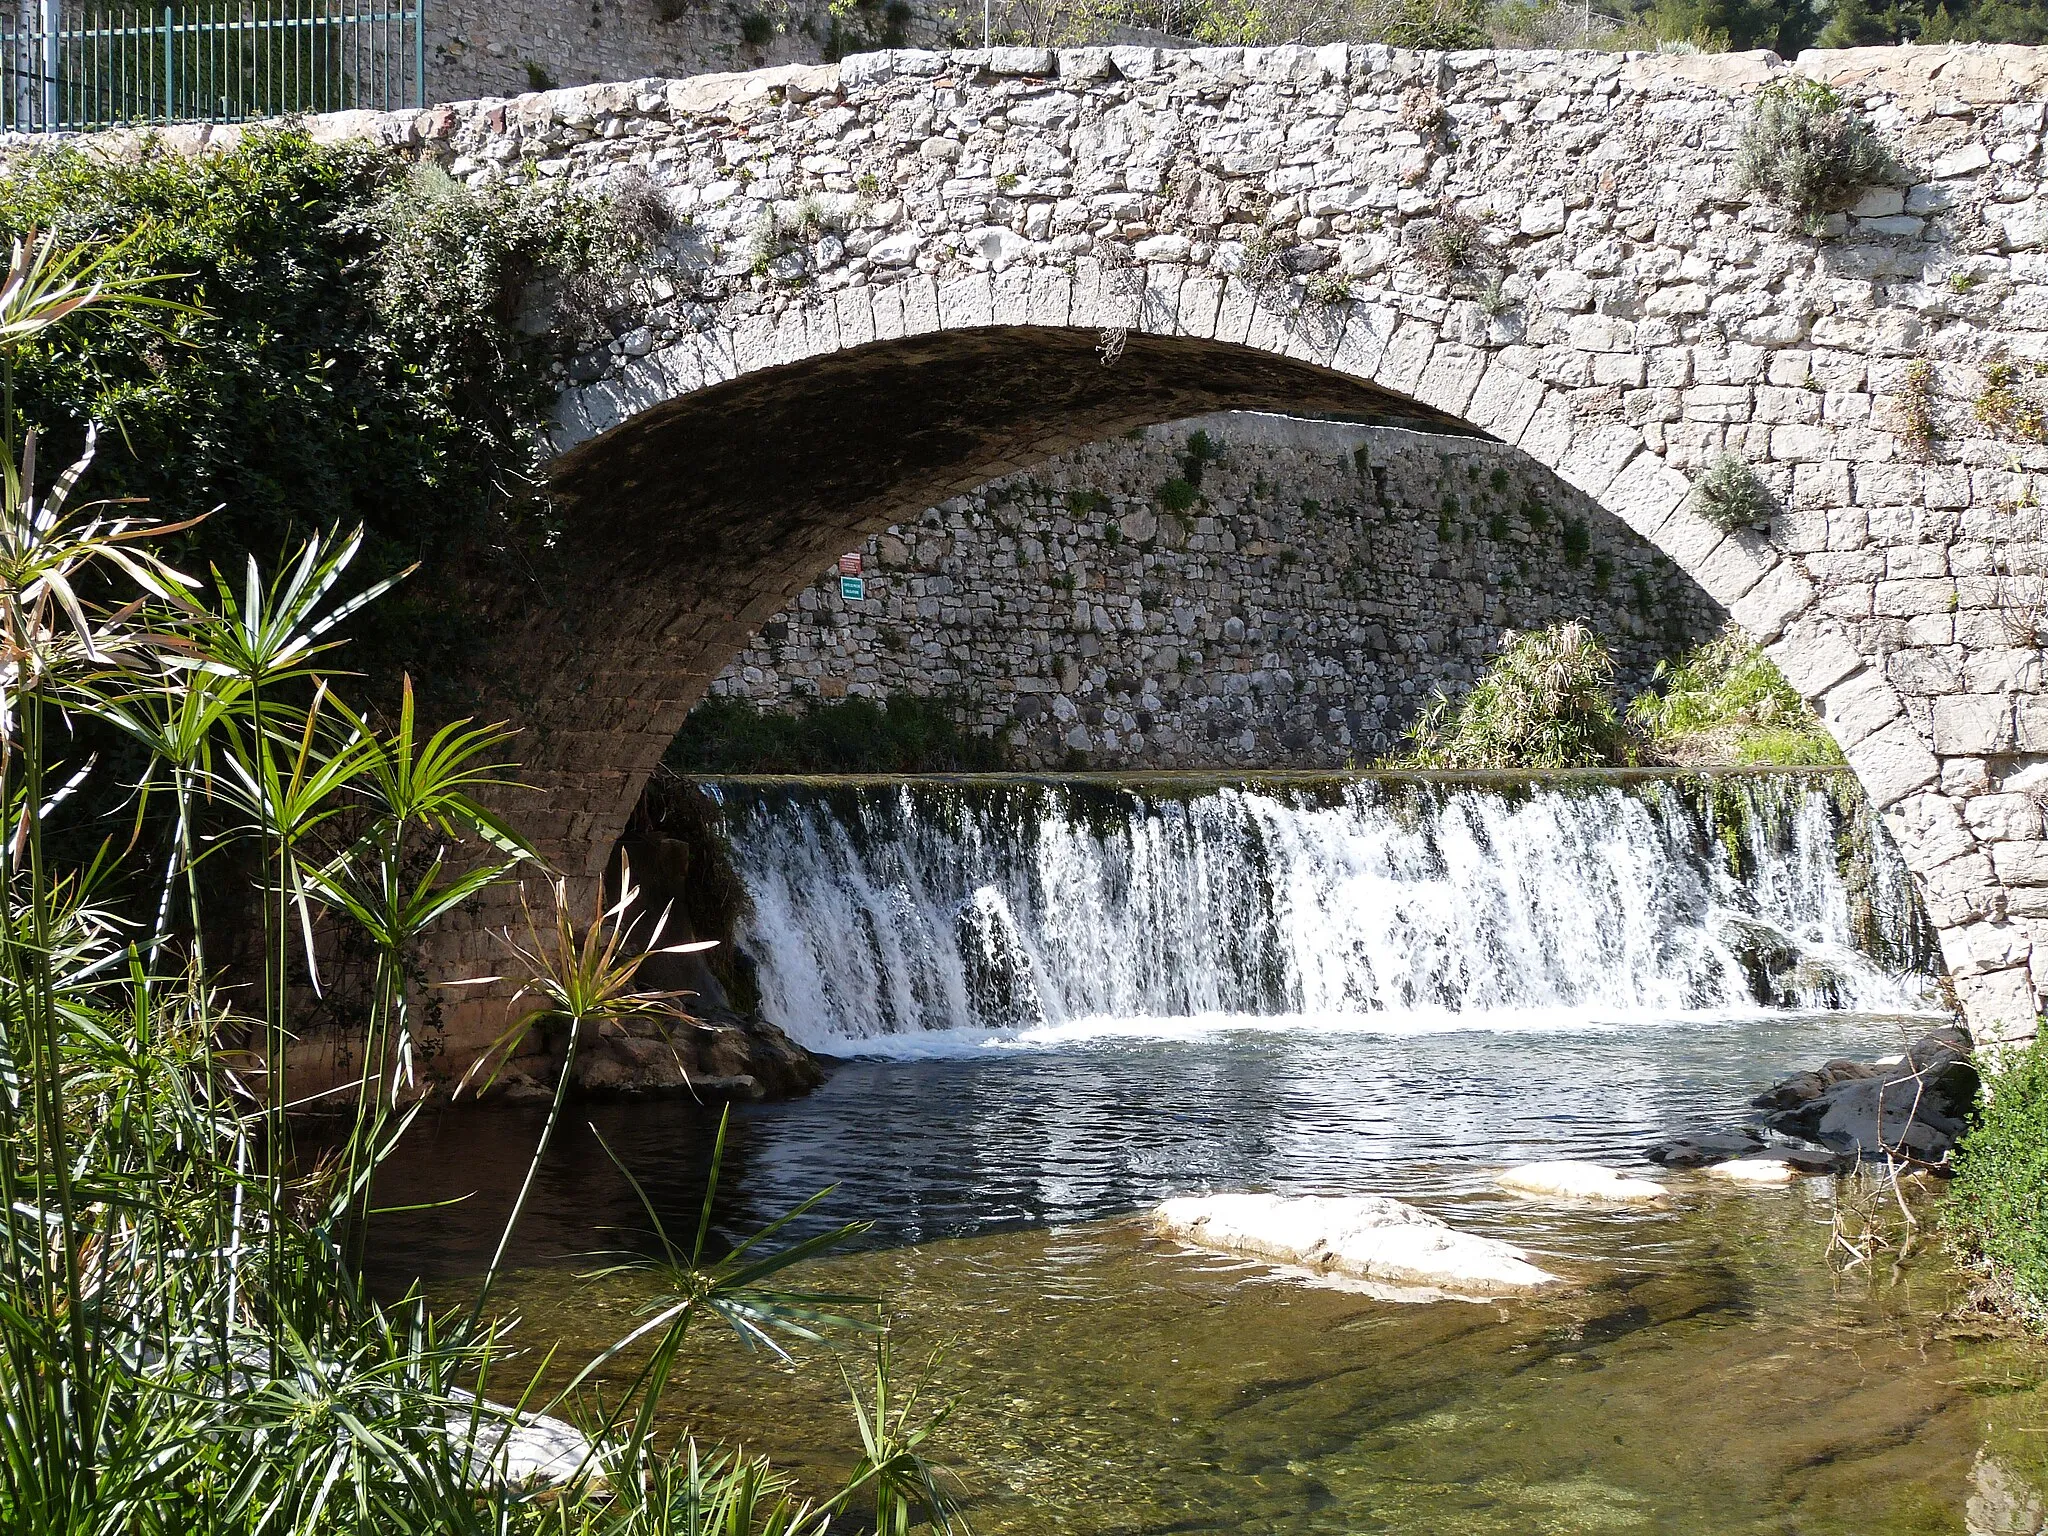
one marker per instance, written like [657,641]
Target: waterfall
[927,915]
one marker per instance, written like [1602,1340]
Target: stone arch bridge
[899,276]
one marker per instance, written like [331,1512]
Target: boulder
[1804,1087]
[1366,1237]
[721,1056]
[1580,1181]
[1911,1110]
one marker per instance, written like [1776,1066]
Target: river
[1054,1003]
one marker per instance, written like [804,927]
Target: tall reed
[185,1341]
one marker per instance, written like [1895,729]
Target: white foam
[1052,917]
[1108,1033]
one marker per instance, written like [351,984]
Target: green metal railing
[66,69]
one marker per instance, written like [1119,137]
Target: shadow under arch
[691,523]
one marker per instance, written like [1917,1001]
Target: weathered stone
[1345,536]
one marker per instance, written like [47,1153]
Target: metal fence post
[53,19]
[170,69]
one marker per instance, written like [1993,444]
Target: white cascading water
[927,916]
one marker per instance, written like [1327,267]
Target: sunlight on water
[927,917]
[1057,1005]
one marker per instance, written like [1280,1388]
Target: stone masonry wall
[1327,582]
[478,48]
[895,269]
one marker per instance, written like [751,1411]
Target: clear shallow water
[1063,1004]
[1714,1375]
[1015,1134]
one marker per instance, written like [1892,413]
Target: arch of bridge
[901,275]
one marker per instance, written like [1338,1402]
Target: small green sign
[853,588]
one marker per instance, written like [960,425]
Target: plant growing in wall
[2010,403]
[1806,150]
[1454,246]
[1729,495]
[1918,422]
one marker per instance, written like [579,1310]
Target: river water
[1056,1004]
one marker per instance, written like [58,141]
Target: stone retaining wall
[1326,581]
[503,47]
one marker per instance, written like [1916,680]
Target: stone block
[1814,656]
[1452,377]
[1367,330]
[856,310]
[1929,828]
[1775,601]
[1052,294]
[1859,706]
[1735,566]
[1892,763]
[1973,724]
[2021,863]
[966,302]
[2003,818]
[1407,356]
[2002,1007]
[1021,61]
[1646,495]
[1505,401]
[1201,301]
[1596,455]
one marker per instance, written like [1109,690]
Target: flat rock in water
[1699,1151]
[1753,1170]
[1366,1237]
[1580,1181]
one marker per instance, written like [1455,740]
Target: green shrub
[1997,1208]
[359,359]
[1729,495]
[1203,451]
[1177,495]
[908,735]
[1723,702]
[1808,151]
[1544,703]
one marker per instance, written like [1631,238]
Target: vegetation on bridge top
[1785,26]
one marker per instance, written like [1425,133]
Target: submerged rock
[1580,1181]
[2002,1502]
[1715,1149]
[1911,1110]
[1700,1151]
[1754,1170]
[1366,1237]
